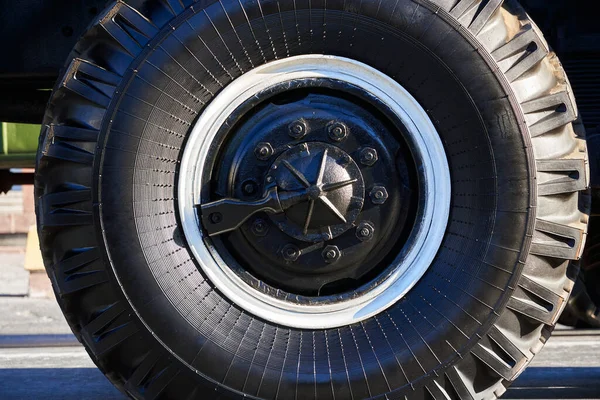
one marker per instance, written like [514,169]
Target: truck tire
[312,199]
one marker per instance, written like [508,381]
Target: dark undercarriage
[51,28]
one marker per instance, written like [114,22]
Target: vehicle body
[37,38]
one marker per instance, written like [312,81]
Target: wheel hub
[330,185]
[316,132]
[310,158]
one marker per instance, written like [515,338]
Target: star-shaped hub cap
[324,188]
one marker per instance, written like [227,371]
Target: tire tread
[503,352]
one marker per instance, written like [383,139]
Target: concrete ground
[39,356]
[41,359]
[14,279]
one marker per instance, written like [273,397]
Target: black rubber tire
[132,292]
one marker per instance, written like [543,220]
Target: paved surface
[28,316]
[52,373]
[40,358]
[567,368]
[14,280]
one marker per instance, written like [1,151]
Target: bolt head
[368,156]
[290,252]
[344,160]
[378,195]
[263,151]
[365,231]
[260,227]
[216,218]
[297,129]
[337,131]
[331,254]
[249,187]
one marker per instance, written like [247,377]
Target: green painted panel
[19,138]
[18,145]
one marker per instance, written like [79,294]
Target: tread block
[500,354]
[108,329]
[90,81]
[458,384]
[152,376]
[536,302]
[436,391]
[555,240]
[130,29]
[463,7]
[509,348]
[55,211]
[492,360]
[555,111]
[566,176]
[484,15]
[174,5]
[67,143]
[474,14]
[527,48]
[77,271]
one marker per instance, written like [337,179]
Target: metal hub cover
[330,185]
[228,195]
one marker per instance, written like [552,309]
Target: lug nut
[378,195]
[260,227]
[338,132]
[331,254]
[297,129]
[368,156]
[365,231]
[290,252]
[263,151]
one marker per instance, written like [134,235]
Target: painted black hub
[331,186]
[314,192]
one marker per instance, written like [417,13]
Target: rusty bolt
[263,151]
[368,156]
[331,254]
[365,231]
[379,195]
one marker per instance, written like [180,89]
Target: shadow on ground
[90,384]
[56,383]
[556,383]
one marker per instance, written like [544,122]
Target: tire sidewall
[164,308]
